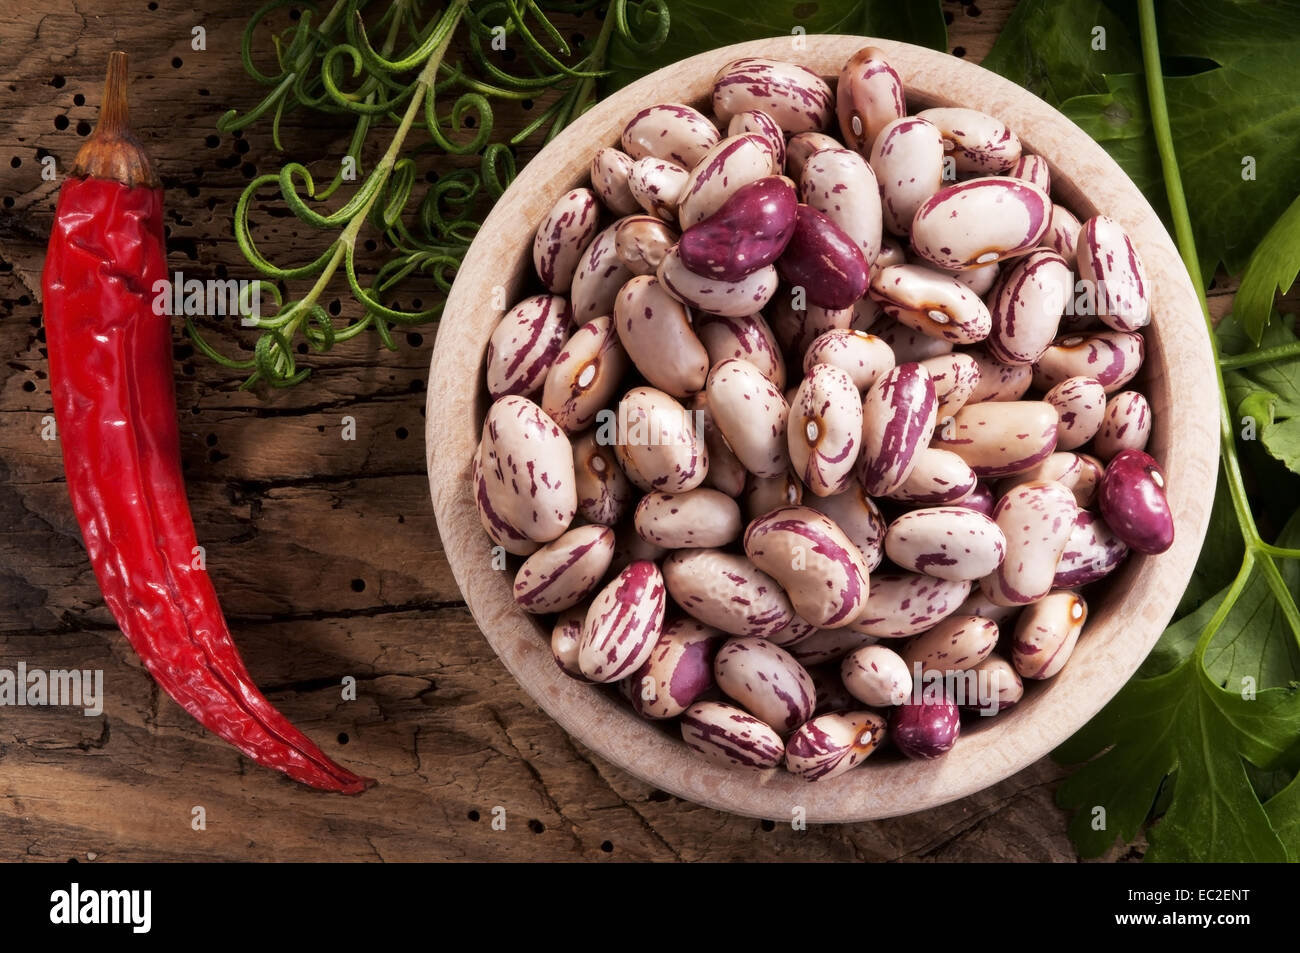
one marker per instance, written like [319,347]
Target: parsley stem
[1230,598]
[1265,356]
[1182,222]
[1257,552]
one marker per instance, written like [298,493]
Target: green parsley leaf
[1273,267]
[700,25]
[1059,50]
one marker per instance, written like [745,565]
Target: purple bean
[823,260]
[750,230]
[1133,503]
[924,730]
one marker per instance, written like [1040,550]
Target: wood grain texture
[294,522]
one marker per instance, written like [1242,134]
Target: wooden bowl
[1126,618]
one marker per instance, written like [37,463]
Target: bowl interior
[1127,611]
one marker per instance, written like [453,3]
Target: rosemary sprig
[330,65]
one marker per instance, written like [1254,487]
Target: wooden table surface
[324,551]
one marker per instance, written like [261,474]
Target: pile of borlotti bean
[807,357]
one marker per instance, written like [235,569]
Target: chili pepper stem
[112,152]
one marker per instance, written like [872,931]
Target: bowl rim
[1119,636]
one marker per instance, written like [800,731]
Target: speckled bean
[604,493]
[1000,438]
[981,605]
[931,302]
[801,146]
[752,415]
[1114,277]
[1067,469]
[864,357]
[794,96]
[1088,479]
[907,603]
[876,675]
[857,514]
[869,97]
[939,477]
[655,330]
[907,158]
[765,680]
[564,232]
[742,338]
[1062,235]
[1092,552]
[978,142]
[656,442]
[566,638]
[979,279]
[1133,502]
[1032,169]
[599,276]
[733,162]
[585,375]
[764,494]
[757,121]
[979,221]
[797,328]
[1027,305]
[747,232]
[524,482]
[697,519]
[726,473]
[958,643]
[840,184]
[641,241]
[824,260]
[623,624]
[1080,403]
[1112,358]
[955,376]
[1037,519]
[1046,634]
[824,429]
[832,744]
[727,591]
[525,344]
[730,298]
[1002,687]
[795,632]
[658,186]
[998,381]
[1126,425]
[907,343]
[816,564]
[891,253]
[610,169]
[728,736]
[565,571]
[671,131]
[678,671]
[898,418]
[828,645]
[948,542]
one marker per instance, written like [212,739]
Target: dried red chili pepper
[115,404]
